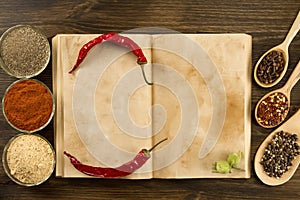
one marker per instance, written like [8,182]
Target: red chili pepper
[116,39]
[121,171]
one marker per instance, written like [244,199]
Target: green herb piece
[222,167]
[234,159]
[225,167]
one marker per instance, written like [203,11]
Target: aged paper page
[104,112]
[204,85]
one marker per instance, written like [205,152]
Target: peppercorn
[280,153]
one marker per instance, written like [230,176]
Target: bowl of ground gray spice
[24,51]
[28,159]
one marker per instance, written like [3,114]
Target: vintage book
[199,100]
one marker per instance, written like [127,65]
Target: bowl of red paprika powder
[28,105]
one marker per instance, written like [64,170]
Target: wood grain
[268,21]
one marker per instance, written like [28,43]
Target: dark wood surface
[268,21]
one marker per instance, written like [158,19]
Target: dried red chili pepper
[124,170]
[116,39]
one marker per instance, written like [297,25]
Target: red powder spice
[28,105]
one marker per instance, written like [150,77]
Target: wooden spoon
[283,47]
[290,126]
[285,90]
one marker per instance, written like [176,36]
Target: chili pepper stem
[144,76]
[157,144]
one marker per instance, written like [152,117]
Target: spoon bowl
[290,126]
[283,48]
[283,91]
[277,118]
[279,48]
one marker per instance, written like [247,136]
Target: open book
[199,100]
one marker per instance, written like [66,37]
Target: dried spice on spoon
[272,110]
[271,67]
[118,40]
[280,153]
[124,170]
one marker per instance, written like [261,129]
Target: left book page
[103,114]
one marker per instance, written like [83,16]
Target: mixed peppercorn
[280,153]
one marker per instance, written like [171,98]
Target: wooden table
[268,21]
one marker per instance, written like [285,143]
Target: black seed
[279,154]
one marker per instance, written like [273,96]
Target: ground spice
[270,67]
[280,153]
[30,159]
[24,51]
[272,110]
[28,105]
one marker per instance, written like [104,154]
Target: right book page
[201,102]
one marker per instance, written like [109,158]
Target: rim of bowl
[6,167]
[50,117]
[39,31]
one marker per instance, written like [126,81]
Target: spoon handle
[294,78]
[292,32]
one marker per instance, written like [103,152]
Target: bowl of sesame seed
[28,159]
[24,51]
